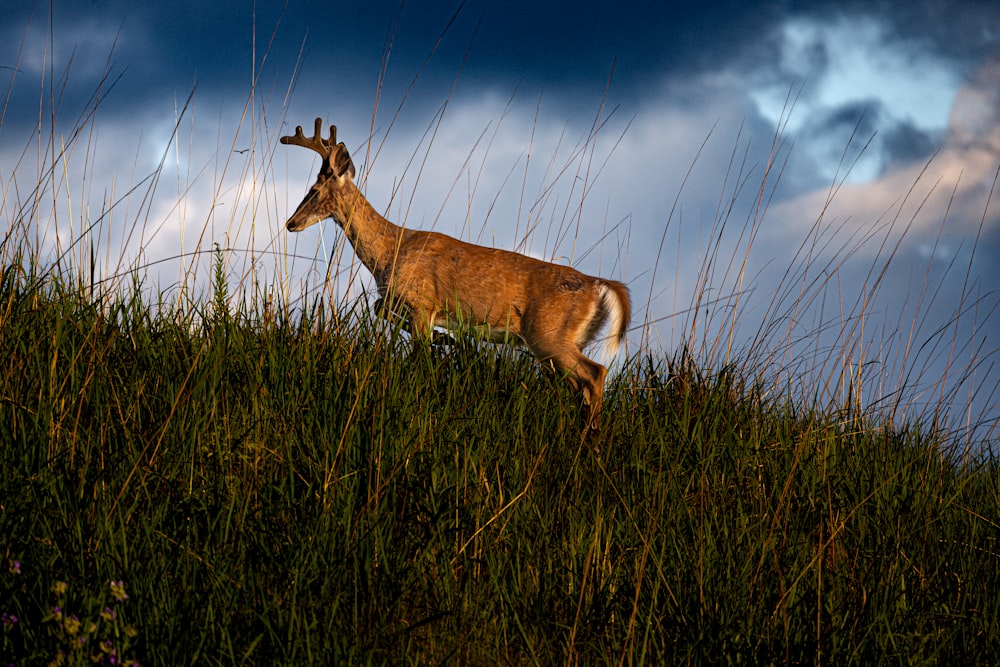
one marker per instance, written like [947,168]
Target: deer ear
[348,168]
[340,162]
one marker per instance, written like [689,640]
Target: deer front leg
[417,322]
[422,323]
[393,311]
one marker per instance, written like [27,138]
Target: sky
[813,177]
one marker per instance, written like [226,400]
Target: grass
[265,475]
[316,491]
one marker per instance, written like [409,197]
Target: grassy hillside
[201,486]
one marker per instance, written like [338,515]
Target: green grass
[314,490]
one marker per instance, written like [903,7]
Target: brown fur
[436,280]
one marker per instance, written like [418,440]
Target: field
[261,476]
[317,490]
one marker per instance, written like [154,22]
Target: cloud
[952,188]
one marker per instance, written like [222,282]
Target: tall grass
[246,471]
[309,491]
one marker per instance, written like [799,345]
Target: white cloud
[851,63]
[953,186]
[854,59]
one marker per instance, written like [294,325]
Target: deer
[429,280]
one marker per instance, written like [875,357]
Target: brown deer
[435,280]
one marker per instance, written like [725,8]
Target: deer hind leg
[592,390]
[585,376]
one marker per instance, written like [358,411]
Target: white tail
[436,280]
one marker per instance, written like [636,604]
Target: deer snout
[300,220]
[310,211]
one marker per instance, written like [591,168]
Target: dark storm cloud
[160,51]
[560,46]
[904,142]
[165,46]
[859,117]
[866,127]
[963,31]
[546,41]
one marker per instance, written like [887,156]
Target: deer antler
[317,143]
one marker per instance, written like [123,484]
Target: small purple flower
[14,567]
[8,620]
[109,649]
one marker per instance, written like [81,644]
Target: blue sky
[880,122]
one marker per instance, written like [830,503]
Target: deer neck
[375,239]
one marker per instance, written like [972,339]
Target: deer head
[335,172]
